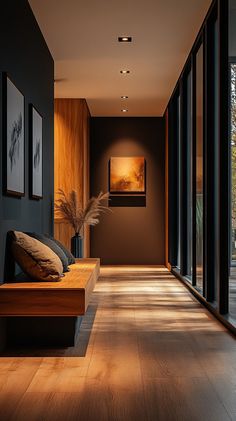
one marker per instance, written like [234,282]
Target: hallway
[147,350]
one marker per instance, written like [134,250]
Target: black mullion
[178,177]
[210,146]
[224,150]
[183,178]
[208,155]
[172,183]
[205,172]
[193,60]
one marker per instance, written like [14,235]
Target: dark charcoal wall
[27,60]
[131,234]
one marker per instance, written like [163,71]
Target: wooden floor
[147,350]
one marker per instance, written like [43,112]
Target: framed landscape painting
[13,139]
[127,175]
[36,154]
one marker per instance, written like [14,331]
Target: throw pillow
[67,252]
[36,259]
[53,246]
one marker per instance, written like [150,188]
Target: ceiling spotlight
[125,39]
[124,110]
[124,97]
[124,72]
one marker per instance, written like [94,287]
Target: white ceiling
[82,37]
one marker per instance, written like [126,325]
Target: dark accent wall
[134,233]
[27,60]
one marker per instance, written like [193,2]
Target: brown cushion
[36,259]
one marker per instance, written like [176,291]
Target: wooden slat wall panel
[71,152]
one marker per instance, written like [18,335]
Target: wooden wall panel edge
[78,115]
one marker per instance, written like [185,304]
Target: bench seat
[68,297]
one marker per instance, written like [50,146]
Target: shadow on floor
[78,350]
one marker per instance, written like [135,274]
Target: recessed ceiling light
[124,72]
[124,110]
[125,39]
[124,97]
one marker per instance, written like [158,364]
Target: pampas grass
[71,210]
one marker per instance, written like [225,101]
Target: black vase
[77,246]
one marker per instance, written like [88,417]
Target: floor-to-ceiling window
[233,158]
[179,178]
[232,146]
[214,100]
[205,154]
[199,168]
[189,178]
[211,161]
[232,288]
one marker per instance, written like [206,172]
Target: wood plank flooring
[147,350]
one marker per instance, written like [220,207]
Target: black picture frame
[13,139]
[36,153]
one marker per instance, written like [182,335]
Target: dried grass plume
[70,209]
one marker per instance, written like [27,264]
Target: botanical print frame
[36,153]
[127,175]
[13,139]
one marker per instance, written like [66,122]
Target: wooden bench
[48,303]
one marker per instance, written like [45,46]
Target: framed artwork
[36,156]
[13,139]
[127,175]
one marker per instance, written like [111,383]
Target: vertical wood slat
[71,155]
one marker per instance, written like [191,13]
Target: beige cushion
[36,259]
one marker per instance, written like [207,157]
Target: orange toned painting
[127,174]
